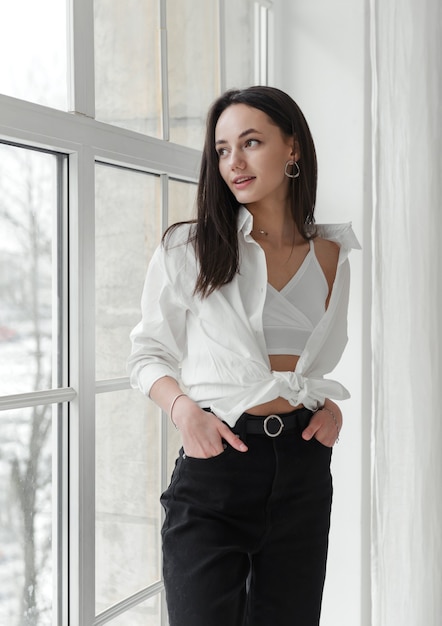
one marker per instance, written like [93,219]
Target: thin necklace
[265,233]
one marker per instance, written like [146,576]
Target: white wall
[322,60]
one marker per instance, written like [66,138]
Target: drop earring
[295,169]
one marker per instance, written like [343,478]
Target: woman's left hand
[323,426]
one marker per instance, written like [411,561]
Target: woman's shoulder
[178,235]
[335,241]
[326,246]
[327,253]
[177,243]
[175,255]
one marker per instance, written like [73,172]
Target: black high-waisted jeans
[245,535]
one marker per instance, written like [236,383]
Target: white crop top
[290,315]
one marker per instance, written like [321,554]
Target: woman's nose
[236,160]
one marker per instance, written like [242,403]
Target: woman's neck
[273,224]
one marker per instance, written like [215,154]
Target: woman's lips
[240,182]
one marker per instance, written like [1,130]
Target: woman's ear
[296,149]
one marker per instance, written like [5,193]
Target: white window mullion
[222,45]
[60,458]
[46,128]
[164,71]
[60,535]
[82,378]
[262,24]
[270,46]
[81,83]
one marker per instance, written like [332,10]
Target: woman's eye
[222,152]
[250,143]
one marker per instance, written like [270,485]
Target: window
[85,197]
[32,372]
[128,64]
[33,51]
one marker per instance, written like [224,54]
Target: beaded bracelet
[334,419]
[172,405]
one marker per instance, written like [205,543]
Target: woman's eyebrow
[249,131]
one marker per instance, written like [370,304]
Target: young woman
[243,312]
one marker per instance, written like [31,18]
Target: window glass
[239,19]
[26,516]
[128,486]
[128,229]
[193,65]
[30,188]
[182,199]
[33,58]
[127,64]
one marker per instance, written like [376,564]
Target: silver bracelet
[172,405]
[334,419]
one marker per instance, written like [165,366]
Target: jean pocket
[321,445]
[210,459]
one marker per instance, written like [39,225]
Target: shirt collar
[245,220]
[340,233]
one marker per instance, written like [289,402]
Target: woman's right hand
[202,433]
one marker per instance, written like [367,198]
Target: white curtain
[406,48]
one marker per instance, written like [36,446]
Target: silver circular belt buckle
[267,421]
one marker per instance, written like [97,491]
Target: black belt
[272,425]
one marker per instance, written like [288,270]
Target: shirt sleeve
[158,339]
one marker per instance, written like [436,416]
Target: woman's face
[252,153]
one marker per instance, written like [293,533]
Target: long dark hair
[215,235]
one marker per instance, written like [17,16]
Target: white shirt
[215,346]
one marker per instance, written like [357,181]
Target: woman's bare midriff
[278,363]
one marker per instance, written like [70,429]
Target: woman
[243,312]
